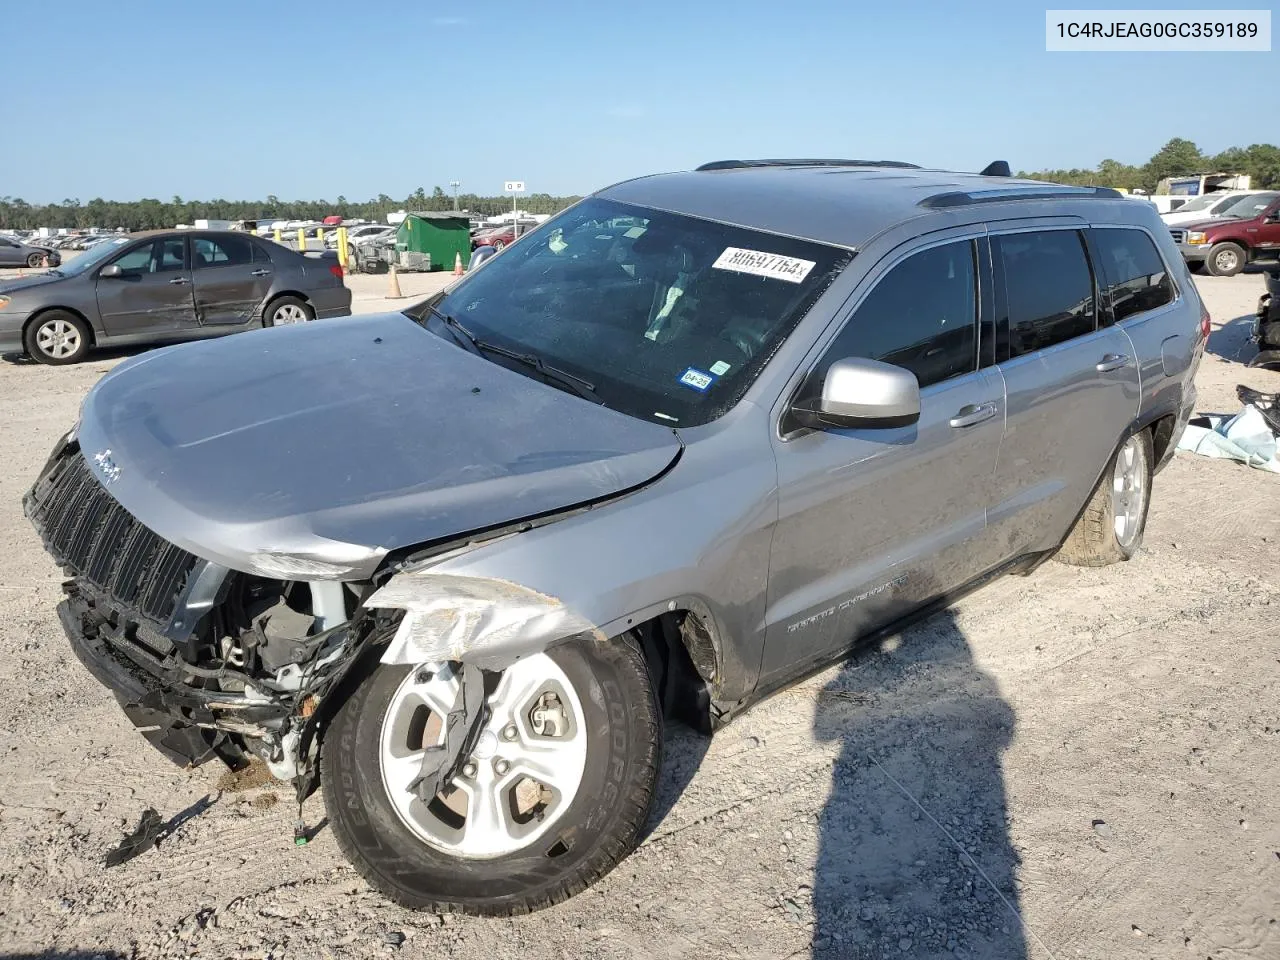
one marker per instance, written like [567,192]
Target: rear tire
[1113,523]
[35,261]
[57,337]
[1226,259]
[284,311]
[596,828]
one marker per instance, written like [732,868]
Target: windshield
[91,257]
[670,318]
[1199,203]
[1250,206]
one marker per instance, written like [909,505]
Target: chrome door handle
[970,414]
[179,280]
[259,273]
[1112,361]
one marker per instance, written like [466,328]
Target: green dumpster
[431,241]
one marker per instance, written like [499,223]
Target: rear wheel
[35,260]
[1226,259]
[498,244]
[1113,522]
[553,795]
[57,338]
[285,311]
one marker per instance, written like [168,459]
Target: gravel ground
[1082,763]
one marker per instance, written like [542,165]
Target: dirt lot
[1082,763]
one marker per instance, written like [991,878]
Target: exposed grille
[87,530]
[1178,235]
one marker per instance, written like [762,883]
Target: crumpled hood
[22,283]
[342,440]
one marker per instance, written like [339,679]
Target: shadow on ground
[914,856]
[1231,340]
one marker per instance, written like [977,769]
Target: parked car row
[15,252]
[166,285]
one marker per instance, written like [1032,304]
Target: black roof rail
[742,164]
[960,198]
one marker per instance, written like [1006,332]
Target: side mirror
[109,271]
[479,255]
[862,394]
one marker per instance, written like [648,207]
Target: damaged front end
[206,661]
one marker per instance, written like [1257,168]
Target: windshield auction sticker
[761,264]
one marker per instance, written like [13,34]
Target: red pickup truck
[1246,232]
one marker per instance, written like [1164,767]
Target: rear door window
[220,251]
[1136,278]
[1048,288]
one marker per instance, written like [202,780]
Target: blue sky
[244,99]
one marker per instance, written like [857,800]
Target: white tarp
[1244,437]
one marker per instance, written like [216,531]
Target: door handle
[259,273]
[1112,361]
[970,414]
[179,280]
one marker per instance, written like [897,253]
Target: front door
[874,522]
[229,282]
[152,295]
[1072,386]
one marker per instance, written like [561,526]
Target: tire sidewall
[34,351]
[620,719]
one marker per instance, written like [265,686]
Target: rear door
[231,277]
[873,522]
[152,296]
[1071,383]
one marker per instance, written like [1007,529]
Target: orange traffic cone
[457,264]
[393,285]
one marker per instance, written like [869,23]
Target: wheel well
[93,334]
[286,293]
[1161,435]
[682,665]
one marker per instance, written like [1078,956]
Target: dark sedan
[166,285]
[19,253]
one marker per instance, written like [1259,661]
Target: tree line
[150,214]
[1176,158]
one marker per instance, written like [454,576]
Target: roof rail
[960,198]
[741,164]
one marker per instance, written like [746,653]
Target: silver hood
[311,451]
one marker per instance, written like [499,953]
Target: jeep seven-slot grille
[87,530]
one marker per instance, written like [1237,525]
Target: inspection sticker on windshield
[697,379]
[760,264]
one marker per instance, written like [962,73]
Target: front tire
[1111,528]
[35,261]
[57,338]
[1226,259]
[595,774]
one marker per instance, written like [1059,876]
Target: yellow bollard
[343,252]
[302,239]
[279,239]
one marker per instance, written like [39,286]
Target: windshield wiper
[563,378]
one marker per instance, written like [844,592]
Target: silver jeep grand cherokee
[687,441]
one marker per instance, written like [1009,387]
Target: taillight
[336,270]
[1204,321]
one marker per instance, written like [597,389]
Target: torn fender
[489,622]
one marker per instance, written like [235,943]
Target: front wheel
[552,796]
[57,337]
[1226,259]
[35,260]
[1110,529]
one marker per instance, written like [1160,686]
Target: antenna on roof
[996,168]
